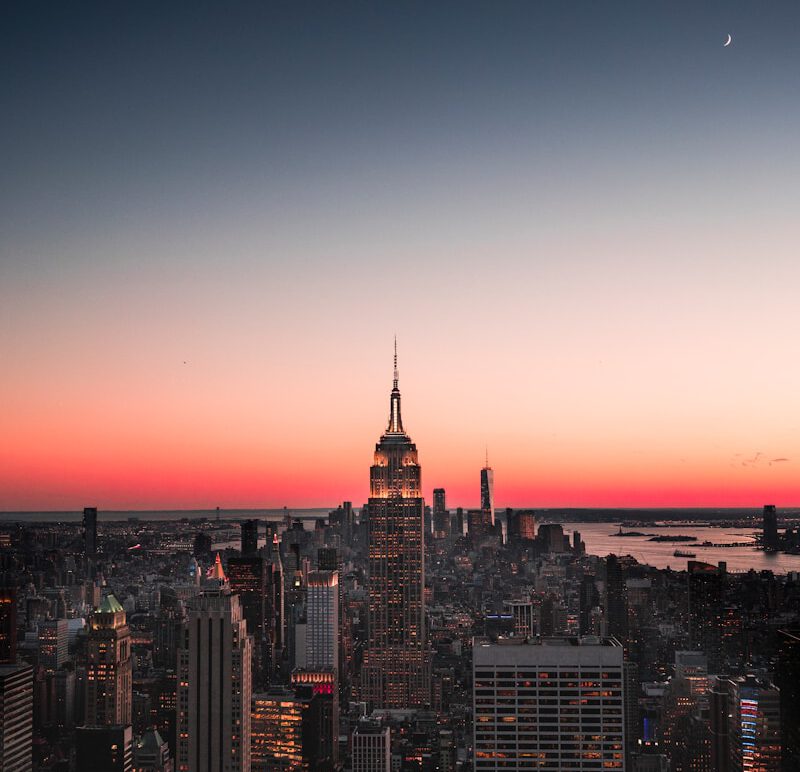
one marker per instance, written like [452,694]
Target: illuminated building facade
[754,732]
[53,639]
[396,669]
[109,670]
[280,732]
[551,703]
[214,686]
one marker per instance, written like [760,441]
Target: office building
[322,621]
[550,703]
[396,668]
[109,670]
[249,538]
[285,735]
[327,559]
[16,718]
[214,686]
[53,636]
[616,599]
[523,613]
[104,748]
[754,732]
[372,747]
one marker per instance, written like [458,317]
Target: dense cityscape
[390,637]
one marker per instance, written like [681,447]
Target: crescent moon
[727,42]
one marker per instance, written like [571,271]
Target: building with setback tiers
[396,668]
[109,672]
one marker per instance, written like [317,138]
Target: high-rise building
[706,584]
[616,599]
[109,671]
[276,616]
[286,734]
[249,538]
[327,559]
[322,621]
[372,747]
[549,703]
[214,686]
[487,494]
[754,730]
[90,537]
[787,679]
[396,668]
[106,748]
[248,577]
[53,635]
[522,612]
[16,718]
[8,625]
[441,516]
[770,534]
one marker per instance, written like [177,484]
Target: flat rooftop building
[549,703]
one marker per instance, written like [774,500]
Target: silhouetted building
[787,680]
[16,718]
[616,599]
[249,578]
[706,584]
[327,559]
[770,536]
[396,669]
[109,669]
[322,621]
[441,516]
[202,546]
[104,748]
[589,600]
[214,686]
[249,538]
[90,538]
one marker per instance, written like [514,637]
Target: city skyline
[588,209]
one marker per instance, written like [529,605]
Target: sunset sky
[581,220]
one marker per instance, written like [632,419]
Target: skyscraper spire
[395,420]
[395,362]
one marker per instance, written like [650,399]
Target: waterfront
[600,540]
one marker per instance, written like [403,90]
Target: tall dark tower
[396,668]
[770,536]
[249,538]
[90,538]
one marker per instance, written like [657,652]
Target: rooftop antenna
[395,362]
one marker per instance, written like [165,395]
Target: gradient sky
[580,219]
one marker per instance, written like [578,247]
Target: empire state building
[396,669]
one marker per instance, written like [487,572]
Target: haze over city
[578,219]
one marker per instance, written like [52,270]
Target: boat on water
[683,554]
